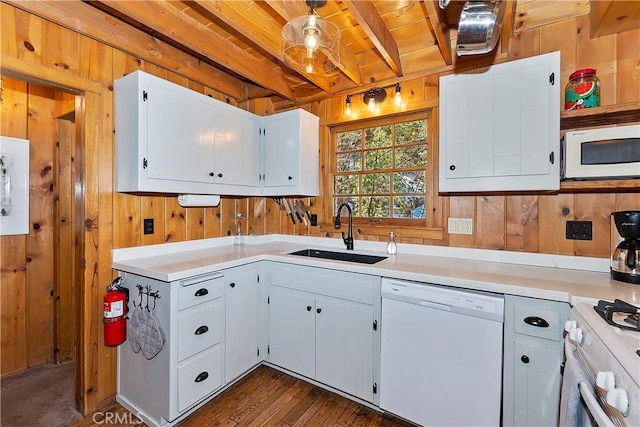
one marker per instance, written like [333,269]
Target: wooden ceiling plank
[369,19]
[610,17]
[256,26]
[186,31]
[440,27]
[292,9]
[91,22]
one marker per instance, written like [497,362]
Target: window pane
[373,183]
[351,140]
[346,184]
[354,201]
[377,137]
[408,182]
[409,207]
[414,132]
[411,157]
[349,162]
[377,159]
[375,207]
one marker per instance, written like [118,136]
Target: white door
[241,321]
[180,139]
[344,346]
[280,148]
[292,330]
[236,149]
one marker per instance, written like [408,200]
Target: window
[382,169]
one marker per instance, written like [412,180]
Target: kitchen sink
[339,256]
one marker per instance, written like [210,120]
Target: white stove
[612,356]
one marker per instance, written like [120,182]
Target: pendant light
[310,43]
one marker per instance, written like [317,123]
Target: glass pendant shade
[311,44]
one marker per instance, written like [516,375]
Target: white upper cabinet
[500,127]
[291,153]
[171,139]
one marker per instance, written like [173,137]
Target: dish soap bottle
[238,238]
[392,249]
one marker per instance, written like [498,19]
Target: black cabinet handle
[211,174]
[536,321]
[525,358]
[308,308]
[232,284]
[219,175]
[318,310]
[202,376]
[452,167]
[201,330]
[290,178]
[201,292]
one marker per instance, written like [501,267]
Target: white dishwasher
[441,354]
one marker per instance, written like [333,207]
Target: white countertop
[552,277]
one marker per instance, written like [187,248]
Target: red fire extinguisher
[115,312]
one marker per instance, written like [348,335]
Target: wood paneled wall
[105,220]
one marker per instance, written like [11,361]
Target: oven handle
[594,407]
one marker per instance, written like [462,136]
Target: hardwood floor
[268,397]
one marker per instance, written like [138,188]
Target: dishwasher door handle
[435,305]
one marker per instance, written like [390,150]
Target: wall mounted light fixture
[374,96]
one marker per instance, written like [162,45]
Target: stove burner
[614,314]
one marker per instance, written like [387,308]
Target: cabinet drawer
[538,322]
[199,328]
[198,290]
[199,376]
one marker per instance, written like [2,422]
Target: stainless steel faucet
[348,240]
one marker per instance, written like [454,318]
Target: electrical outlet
[460,226]
[579,230]
[147,226]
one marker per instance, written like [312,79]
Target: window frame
[431,178]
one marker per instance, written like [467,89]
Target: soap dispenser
[392,249]
[239,238]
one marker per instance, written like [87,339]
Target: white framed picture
[14,186]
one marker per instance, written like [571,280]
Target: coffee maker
[625,260]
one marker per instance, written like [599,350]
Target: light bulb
[372,103]
[397,98]
[309,68]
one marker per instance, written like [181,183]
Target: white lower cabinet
[323,325]
[532,361]
[241,325]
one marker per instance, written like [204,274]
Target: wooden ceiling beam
[291,9]
[258,27]
[371,22]
[185,30]
[91,22]
[440,27]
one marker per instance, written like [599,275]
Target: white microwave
[612,152]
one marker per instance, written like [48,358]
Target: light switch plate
[460,226]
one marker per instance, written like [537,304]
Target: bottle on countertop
[392,248]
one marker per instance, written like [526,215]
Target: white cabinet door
[180,131]
[241,321]
[236,149]
[290,147]
[344,346]
[292,330]
[500,127]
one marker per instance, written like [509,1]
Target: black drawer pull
[308,308]
[318,310]
[202,376]
[232,284]
[536,321]
[201,292]
[201,330]
[525,359]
